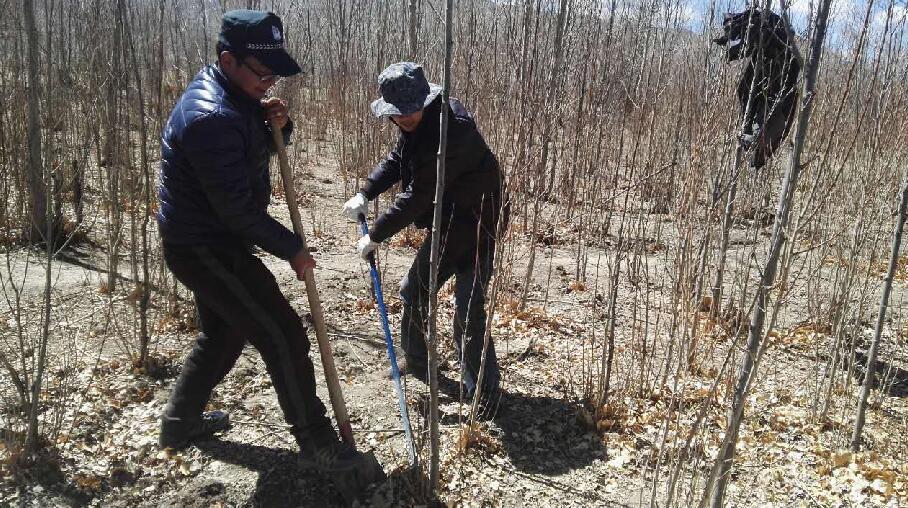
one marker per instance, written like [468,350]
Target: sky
[844,14]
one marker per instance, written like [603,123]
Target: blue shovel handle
[389,342]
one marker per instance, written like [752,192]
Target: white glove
[365,246]
[356,206]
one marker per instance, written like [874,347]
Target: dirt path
[535,452]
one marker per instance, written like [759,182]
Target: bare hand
[276,112]
[301,262]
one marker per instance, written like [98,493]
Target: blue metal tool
[392,356]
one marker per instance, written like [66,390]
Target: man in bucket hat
[470,213]
[214,193]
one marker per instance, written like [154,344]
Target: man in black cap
[214,193]
[471,210]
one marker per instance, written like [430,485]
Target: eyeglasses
[262,77]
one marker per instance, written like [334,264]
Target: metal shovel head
[353,482]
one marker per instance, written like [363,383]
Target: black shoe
[324,452]
[176,433]
[350,470]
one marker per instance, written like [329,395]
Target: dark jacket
[767,90]
[215,185]
[473,182]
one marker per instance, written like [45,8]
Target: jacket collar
[429,126]
[230,90]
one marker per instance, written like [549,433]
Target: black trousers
[467,254]
[239,300]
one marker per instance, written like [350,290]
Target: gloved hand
[356,206]
[366,246]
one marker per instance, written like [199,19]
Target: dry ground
[540,451]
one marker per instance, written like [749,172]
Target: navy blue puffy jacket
[215,185]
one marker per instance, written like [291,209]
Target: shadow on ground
[43,471]
[541,435]
[280,482]
[892,380]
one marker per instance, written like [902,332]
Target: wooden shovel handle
[315,304]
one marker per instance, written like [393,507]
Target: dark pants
[469,259]
[238,300]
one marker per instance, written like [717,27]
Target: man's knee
[288,327]
[410,291]
[296,334]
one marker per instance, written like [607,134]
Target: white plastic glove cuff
[365,246]
[356,206]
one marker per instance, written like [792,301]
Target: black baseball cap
[259,34]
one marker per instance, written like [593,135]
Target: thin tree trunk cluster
[616,124]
